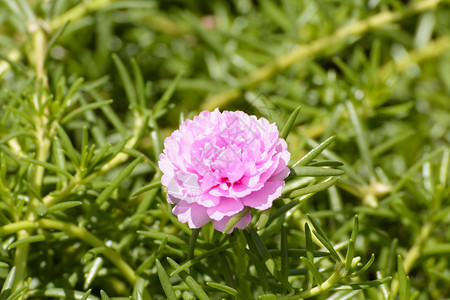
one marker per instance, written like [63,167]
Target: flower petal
[218,163]
[226,207]
[195,215]
[243,223]
[263,198]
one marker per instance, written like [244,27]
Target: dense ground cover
[90,89]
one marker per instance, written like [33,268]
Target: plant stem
[20,260]
[72,230]
[121,157]
[84,235]
[325,286]
[192,242]
[77,12]
[43,146]
[40,44]
[16,227]
[432,49]
[412,255]
[315,47]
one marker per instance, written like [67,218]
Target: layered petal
[218,163]
[226,207]
[262,199]
[242,224]
[195,215]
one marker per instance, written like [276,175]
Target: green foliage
[89,89]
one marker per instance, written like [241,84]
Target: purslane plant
[82,214]
[53,191]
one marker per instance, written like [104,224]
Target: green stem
[20,260]
[433,49]
[77,12]
[16,227]
[72,230]
[84,235]
[192,242]
[40,45]
[53,198]
[413,254]
[244,286]
[325,286]
[43,146]
[42,149]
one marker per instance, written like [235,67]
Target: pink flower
[219,163]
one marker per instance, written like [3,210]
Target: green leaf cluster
[359,89]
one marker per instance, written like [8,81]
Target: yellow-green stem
[77,12]
[40,44]
[433,49]
[20,260]
[325,286]
[315,47]
[84,235]
[43,144]
[71,230]
[412,255]
[42,150]
[74,231]
[51,199]
[16,227]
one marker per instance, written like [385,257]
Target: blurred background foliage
[374,73]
